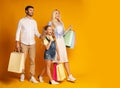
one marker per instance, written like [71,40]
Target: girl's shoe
[40,79]
[53,82]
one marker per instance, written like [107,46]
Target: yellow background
[95,59]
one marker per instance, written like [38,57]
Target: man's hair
[27,7]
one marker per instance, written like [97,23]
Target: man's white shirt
[26,31]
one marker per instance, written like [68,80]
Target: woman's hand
[70,27]
[58,58]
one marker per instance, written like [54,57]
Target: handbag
[16,62]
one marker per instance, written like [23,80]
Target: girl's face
[57,15]
[49,31]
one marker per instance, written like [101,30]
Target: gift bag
[60,72]
[68,38]
[16,62]
[55,71]
[73,41]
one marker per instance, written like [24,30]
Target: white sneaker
[71,78]
[40,79]
[33,80]
[22,77]
[53,82]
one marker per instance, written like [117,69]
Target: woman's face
[57,15]
[49,30]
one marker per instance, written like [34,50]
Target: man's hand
[18,46]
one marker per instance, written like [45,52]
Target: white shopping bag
[16,62]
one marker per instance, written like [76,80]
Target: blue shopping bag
[73,41]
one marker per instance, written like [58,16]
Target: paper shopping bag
[16,62]
[60,72]
[73,41]
[55,71]
[68,37]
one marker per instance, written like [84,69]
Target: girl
[49,41]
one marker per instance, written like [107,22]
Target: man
[26,31]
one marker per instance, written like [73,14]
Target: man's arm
[36,31]
[18,36]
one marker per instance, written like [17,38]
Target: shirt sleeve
[18,31]
[36,30]
[45,42]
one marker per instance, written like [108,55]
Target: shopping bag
[60,72]
[68,37]
[73,41]
[55,71]
[16,62]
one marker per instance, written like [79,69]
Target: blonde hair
[53,16]
[43,36]
[54,13]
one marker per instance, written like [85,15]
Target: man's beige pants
[29,49]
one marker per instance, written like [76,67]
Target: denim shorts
[51,52]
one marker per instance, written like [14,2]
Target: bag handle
[18,50]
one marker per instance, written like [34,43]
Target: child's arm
[47,46]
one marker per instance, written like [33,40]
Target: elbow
[47,48]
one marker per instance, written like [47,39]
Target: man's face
[30,12]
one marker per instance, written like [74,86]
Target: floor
[83,81]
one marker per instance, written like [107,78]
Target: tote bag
[16,62]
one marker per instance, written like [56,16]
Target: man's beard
[29,14]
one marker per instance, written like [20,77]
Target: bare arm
[57,50]
[48,45]
[68,29]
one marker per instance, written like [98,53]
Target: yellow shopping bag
[60,72]
[16,62]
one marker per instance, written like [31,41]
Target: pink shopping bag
[55,71]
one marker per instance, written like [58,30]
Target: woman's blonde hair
[54,13]
[53,19]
